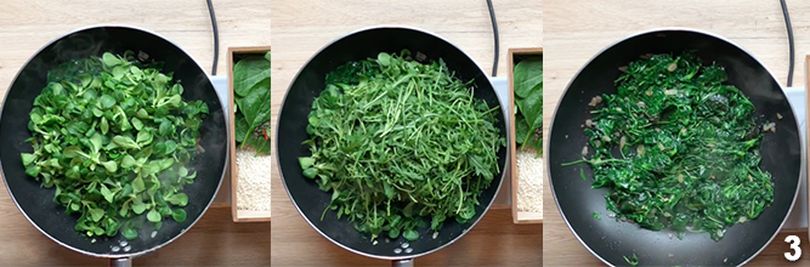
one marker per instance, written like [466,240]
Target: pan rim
[52,238]
[281,173]
[612,44]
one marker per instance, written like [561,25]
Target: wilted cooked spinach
[113,137]
[528,86]
[401,145]
[678,147]
[251,85]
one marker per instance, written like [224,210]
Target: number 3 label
[794,242]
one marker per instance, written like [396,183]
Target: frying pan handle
[121,262]
[402,263]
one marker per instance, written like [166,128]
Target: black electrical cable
[215,30]
[791,46]
[496,36]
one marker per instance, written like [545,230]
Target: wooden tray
[240,215]
[518,217]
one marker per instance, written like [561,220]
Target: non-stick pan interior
[293,121]
[37,203]
[610,239]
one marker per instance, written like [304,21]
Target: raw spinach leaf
[252,102]
[249,73]
[528,86]
[528,75]
[241,129]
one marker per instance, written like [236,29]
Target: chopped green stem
[414,146]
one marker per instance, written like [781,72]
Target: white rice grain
[254,181]
[530,185]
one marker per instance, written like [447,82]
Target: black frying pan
[291,132]
[36,203]
[609,239]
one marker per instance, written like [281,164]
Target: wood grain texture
[518,217]
[26,26]
[302,27]
[237,214]
[575,30]
[214,241]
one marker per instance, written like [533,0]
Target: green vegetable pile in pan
[401,145]
[251,85]
[677,147]
[113,138]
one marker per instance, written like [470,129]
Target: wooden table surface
[302,27]
[575,30]
[26,26]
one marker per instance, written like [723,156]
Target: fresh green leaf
[384,59]
[259,143]
[108,195]
[250,72]
[306,162]
[252,103]
[96,214]
[528,94]
[130,233]
[410,235]
[144,138]
[255,109]
[139,207]
[528,74]
[179,199]
[401,145]
[393,233]
[241,129]
[154,216]
[104,126]
[138,185]
[310,173]
[128,162]
[107,101]
[27,158]
[110,59]
[125,142]
[179,215]
[111,166]
[32,170]
[137,123]
[112,137]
